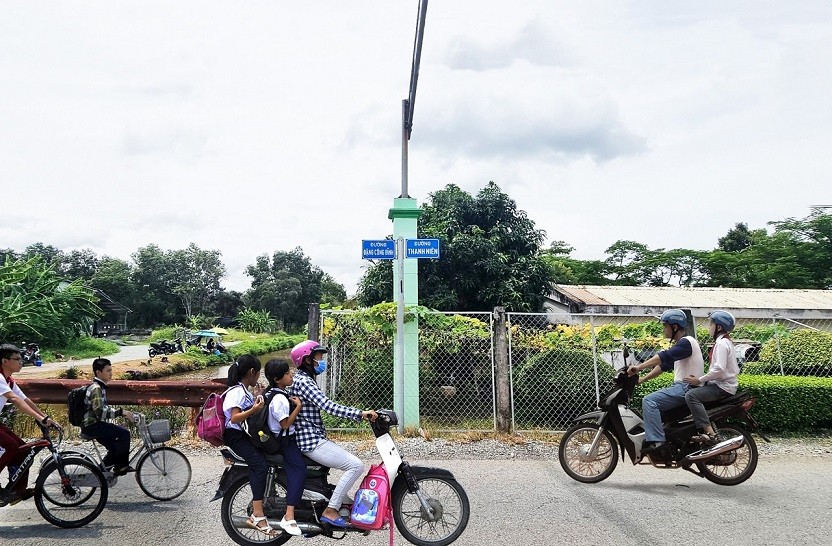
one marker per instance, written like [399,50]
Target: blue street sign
[383,249]
[422,248]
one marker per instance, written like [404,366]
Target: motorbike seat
[682,412]
[275,459]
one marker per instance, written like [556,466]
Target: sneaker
[704,438]
[18,496]
[122,471]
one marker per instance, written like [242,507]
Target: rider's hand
[258,404]
[296,401]
[691,380]
[369,415]
[632,370]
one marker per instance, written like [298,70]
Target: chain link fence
[456,380]
[558,364]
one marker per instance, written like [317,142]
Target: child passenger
[283,411]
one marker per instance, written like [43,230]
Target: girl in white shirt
[238,404]
[283,411]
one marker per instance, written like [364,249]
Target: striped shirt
[309,426]
[97,407]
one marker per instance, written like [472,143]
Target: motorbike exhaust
[718,449]
[308,529]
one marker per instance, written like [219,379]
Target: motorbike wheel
[734,466]
[575,458]
[450,507]
[236,505]
[151,353]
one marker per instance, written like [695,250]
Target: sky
[260,126]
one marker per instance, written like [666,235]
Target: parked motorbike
[589,450]
[30,354]
[165,347]
[429,507]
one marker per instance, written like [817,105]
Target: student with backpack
[114,437]
[283,410]
[239,404]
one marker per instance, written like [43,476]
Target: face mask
[320,366]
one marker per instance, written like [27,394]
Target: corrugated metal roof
[712,298]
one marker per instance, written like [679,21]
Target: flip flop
[337,522]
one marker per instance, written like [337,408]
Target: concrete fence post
[502,372]
[314,321]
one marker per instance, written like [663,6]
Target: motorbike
[165,347]
[30,354]
[589,450]
[429,507]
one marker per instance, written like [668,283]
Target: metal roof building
[749,303]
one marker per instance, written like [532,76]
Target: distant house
[114,321]
[744,303]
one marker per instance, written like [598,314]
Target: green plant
[803,352]
[256,321]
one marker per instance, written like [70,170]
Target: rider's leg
[653,405]
[295,479]
[113,437]
[332,455]
[258,470]
[696,399]
[12,454]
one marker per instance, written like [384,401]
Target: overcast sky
[250,127]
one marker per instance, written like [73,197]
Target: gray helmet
[674,316]
[724,319]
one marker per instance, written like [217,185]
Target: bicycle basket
[159,430]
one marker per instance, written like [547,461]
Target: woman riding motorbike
[308,357]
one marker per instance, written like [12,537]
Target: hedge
[784,403]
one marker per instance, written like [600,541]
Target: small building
[114,321]
[814,306]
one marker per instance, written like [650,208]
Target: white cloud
[263,126]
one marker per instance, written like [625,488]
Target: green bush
[84,347]
[165,332]
[803,352]
[545,386]
[784,403]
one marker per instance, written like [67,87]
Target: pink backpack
[210,421]
[371,509]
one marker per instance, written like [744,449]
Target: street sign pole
[398,369]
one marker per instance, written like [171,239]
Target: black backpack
[76,403]
[259,422]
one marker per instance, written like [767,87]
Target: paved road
[787,501]
[127,352]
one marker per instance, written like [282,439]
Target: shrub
[803,352]
[545,386]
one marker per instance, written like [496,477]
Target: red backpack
[210,421]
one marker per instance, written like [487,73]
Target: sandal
[290,526]
[254,522]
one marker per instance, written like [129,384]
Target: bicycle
[162,472]
[69,491]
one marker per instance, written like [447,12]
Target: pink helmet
[305,348]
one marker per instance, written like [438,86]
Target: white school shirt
[237,397]
[278,411]
[724,368]
[5,389]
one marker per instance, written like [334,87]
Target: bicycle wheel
[74,501]
[163,473]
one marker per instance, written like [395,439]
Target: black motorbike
[589,450]
[165,347]
[429,507]
[30,354]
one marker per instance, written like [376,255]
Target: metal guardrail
[157,393]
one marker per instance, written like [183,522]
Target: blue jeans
[656,402]
[115,438]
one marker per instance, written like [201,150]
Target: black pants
[258,468]
[295,470]
[115,438]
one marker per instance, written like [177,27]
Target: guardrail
[156,393]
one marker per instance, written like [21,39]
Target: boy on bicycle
[10,452]
[114,437]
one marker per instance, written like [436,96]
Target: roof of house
[596,297]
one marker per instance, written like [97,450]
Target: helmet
[724,319]
[305,348]
[674,316]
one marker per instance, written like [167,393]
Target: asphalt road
[126,353]
[787,501]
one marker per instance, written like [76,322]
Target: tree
[154,302]
[285,285]
[195,276]
[626,263]
[490,255]
[737,239]
[78,264]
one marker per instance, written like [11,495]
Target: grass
[83,347]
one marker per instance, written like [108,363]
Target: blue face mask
[320,366]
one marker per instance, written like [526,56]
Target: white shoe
[290,526]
